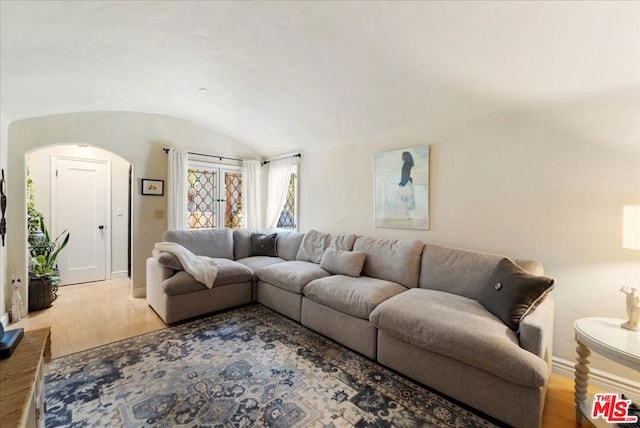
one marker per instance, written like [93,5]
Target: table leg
[581,379]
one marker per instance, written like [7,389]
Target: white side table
[607,338]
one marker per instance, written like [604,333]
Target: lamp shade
[631,227]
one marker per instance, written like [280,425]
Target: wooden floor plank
[93,314]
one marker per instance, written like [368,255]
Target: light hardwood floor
[89,315]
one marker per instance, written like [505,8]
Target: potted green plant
[36,236]
[43,274]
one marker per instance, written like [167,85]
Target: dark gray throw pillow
[511,293]
[263,245]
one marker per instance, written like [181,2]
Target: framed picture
[402,188]
[152,187]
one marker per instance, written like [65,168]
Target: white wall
[137,137]
[546,183]
[4,285]
[39,163]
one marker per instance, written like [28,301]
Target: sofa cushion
[353,296]
[241,243]
[460,328]
[291,276]
[510,293]
[314,243]
[263,245]
[534,267]
[288,243]
[340,262]
[393,260]
[462,272]
[456,271]
[216,243]
[182,283]
[258,262]
[229,272]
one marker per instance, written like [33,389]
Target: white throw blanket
[203,269]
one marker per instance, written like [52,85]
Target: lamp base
[629,326]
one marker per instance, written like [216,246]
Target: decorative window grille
[287,218]
[214,198]
[202,200]
[233,200]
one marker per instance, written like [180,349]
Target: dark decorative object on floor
[245,367]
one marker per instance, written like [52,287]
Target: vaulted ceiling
[282,76]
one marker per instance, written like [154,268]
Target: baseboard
[123,274]
[604,380]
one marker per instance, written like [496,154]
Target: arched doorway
[87,191]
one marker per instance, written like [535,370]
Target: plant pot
[36,238]
[42,292]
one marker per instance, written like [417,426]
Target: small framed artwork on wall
[402,188]
[152,187]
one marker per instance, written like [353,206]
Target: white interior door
[80,205]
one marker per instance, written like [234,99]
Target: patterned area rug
[246,367]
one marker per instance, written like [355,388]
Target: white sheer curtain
[279,175]
[177,189]
[252,194]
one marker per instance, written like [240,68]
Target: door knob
[101,227]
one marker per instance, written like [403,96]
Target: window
[288,217]
[214,196]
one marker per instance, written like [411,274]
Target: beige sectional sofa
[424,310]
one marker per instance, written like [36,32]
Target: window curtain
[252,194]
[279,175]
[177,189]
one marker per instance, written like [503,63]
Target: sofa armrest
[156,273]
[536,331]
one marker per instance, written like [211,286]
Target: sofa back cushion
[241,243]
[462,272]
[534,267]
[391,260]
[288,244]
[315,243]
[211,243]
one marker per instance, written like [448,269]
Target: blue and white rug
[245,367]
